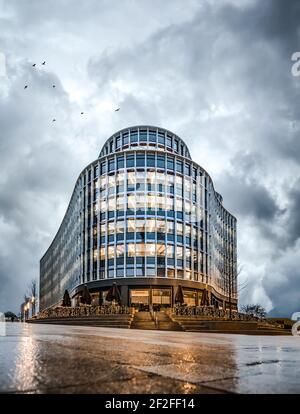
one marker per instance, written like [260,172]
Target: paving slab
[37,358]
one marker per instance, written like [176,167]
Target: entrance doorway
[161,298]
[139,298]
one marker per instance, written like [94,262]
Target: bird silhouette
[53,86]
[44,63]
[34,65]
[53,120]
[81,113]
[116,110]
[26,86]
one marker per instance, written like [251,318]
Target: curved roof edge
[139,127]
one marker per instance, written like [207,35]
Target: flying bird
[44,63]
[53,86]
[34,65]
[81,113]
[116,110]
[26,86]
[53,120]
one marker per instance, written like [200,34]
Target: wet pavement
[73,359]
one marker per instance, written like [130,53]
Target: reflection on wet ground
[65,359]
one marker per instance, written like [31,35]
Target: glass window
[179,166]
[160,226]
[176,145]
[131,202]
[171,273]
[118,142]
[131,249]
[120,162]
[170,163]
[143,135]
[169,141]
[133,136]
[170,251]
[161,138]
[187,169]
[152,136]
[150,249]
[160,161]
[120,250]
[111,164]
[110,252]
[140,160]
[150,160]
[130,161]
[131,181]
[150,225]
[161,250]
[120,203]
[125,138]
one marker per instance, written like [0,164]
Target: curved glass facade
[145,216]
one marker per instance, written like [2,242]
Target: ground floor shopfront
[156,292]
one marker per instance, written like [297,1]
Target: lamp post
[33,305]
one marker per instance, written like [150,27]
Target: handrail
[154,317]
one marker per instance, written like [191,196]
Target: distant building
[147,217]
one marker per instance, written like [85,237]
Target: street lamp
[33,305]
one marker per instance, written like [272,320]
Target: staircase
[144,320]
[165,323]
[198,324]
[107,321]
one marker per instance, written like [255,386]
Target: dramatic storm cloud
[217,73]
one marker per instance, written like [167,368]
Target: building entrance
[143,298]
[139,298]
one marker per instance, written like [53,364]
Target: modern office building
[145,216]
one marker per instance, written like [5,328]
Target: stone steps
[108,321]
[197,324]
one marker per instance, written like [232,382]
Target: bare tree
[231,286]
[255,310]
[33,294]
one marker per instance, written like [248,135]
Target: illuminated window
[131,225]
[170,251]
[179,252]
[151,202]
[110,252]
[150,249]
[120,202]
[120,249]
[111,228]
[161,250]
[150,225]
[179,206]
[131,250]
[102,253]
[131,202]
[160,226]
[120,226]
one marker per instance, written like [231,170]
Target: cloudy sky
[217,73]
